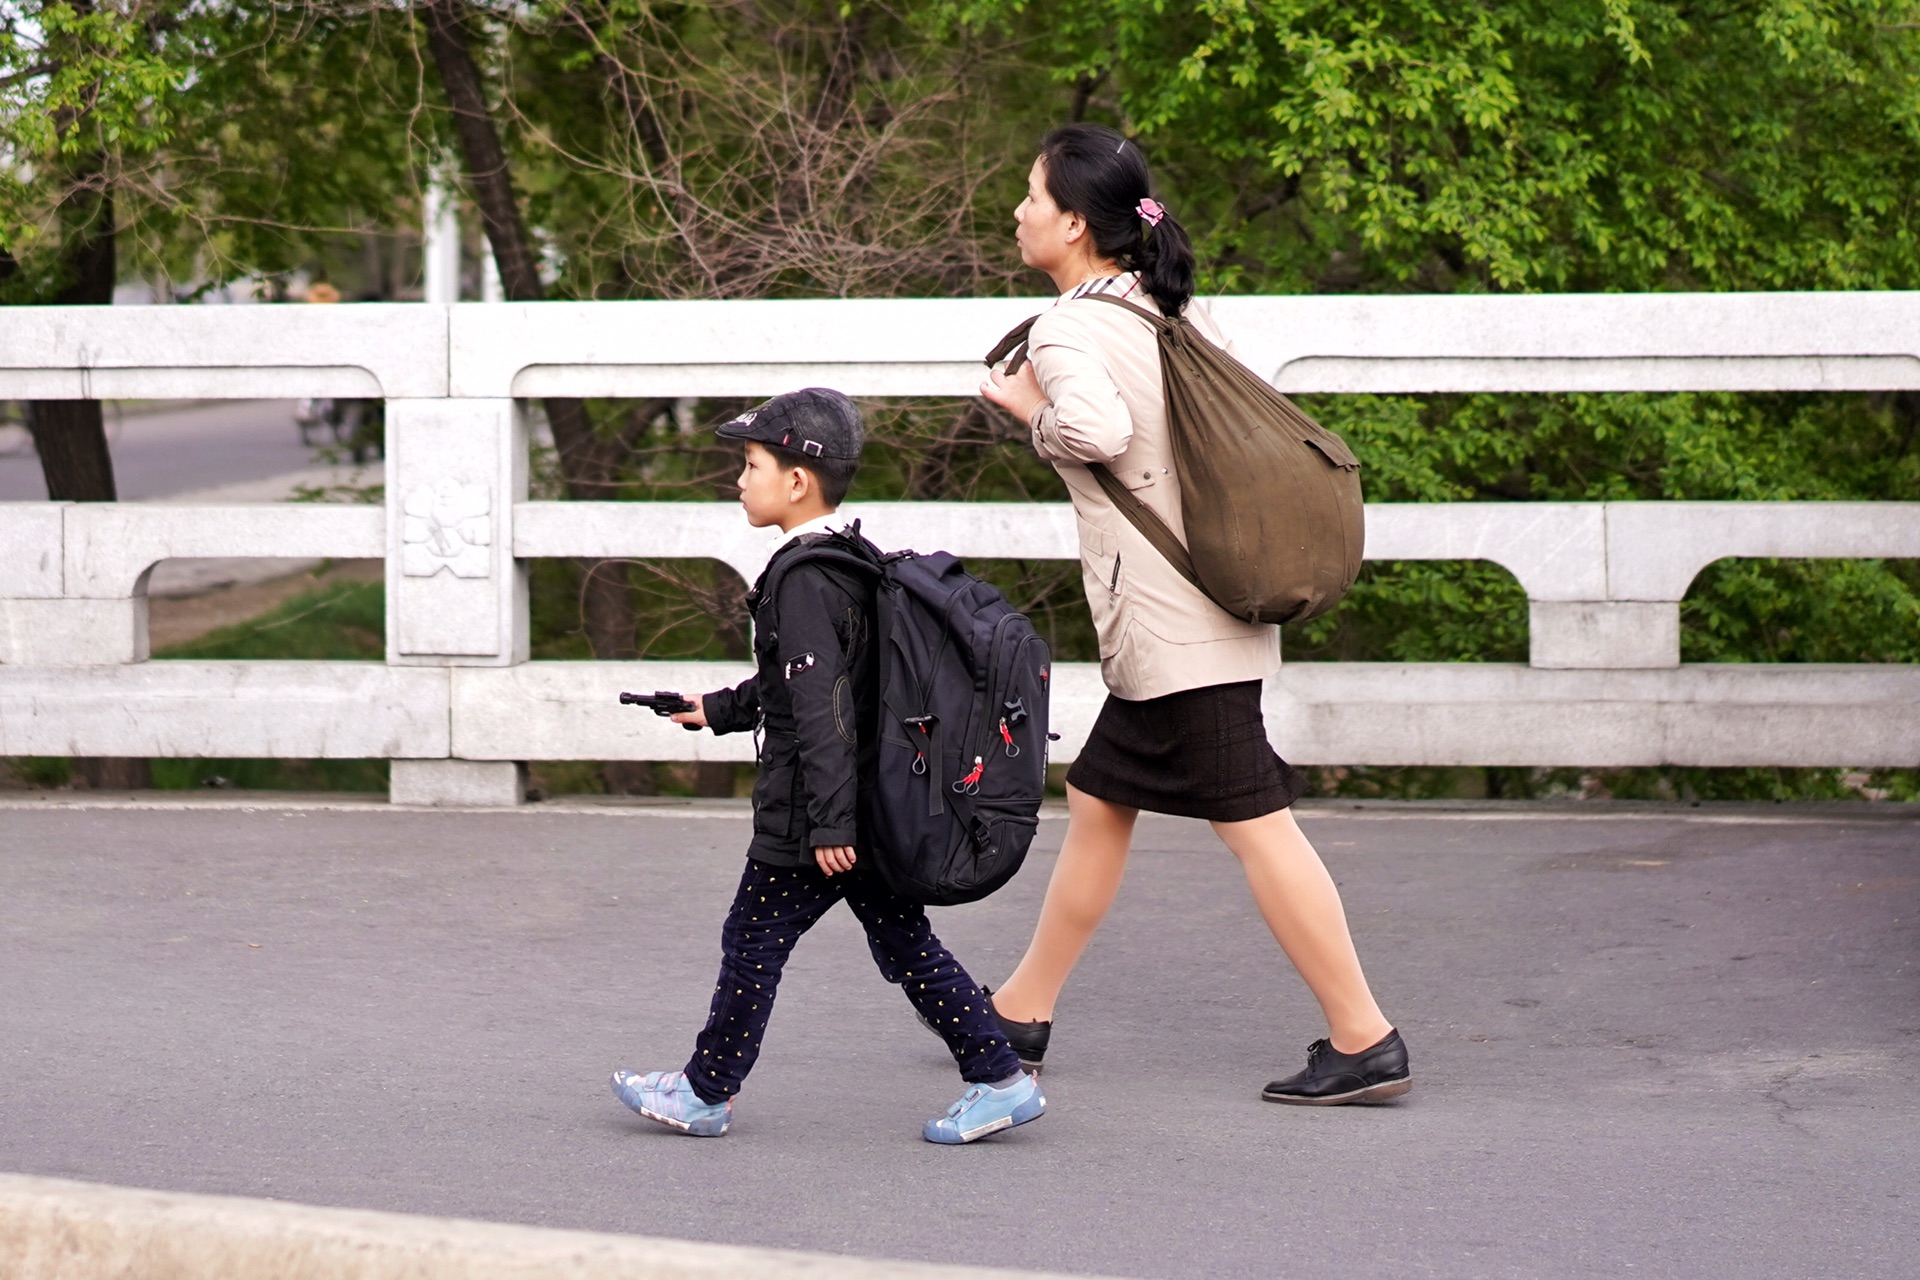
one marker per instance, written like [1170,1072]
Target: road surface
[1647,1041]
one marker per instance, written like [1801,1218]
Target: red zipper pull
[972,780]
[1006,735]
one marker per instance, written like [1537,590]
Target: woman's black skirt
[1200,753]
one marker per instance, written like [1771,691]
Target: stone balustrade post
[456,596]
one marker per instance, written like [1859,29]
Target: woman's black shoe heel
[1029,1039]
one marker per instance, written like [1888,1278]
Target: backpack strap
[836,550]
[848,550]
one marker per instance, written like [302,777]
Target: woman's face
[1049,239]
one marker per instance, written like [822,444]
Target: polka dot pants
[772,908]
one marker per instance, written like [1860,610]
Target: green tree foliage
[236,139]
[1516,144]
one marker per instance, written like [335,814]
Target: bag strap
[1153,318]
[1014,344]
[1150,525]
[1143,517]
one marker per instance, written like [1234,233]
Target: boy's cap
[816,422]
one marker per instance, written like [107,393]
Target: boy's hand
[696,717]
[834,857]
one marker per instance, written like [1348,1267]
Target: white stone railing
[458,707]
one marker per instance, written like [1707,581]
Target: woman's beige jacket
[1099,366]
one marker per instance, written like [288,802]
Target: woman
[1181,730]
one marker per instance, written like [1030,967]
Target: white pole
[440,241]
[491,290]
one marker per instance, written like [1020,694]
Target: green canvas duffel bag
[1275,525]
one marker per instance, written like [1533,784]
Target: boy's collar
[831,522]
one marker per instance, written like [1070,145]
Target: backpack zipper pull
[1006,736]
[970,785]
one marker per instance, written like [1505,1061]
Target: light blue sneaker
[983,1109]
[668,1097]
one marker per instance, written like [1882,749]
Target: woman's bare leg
[1301,905]
[1093,859]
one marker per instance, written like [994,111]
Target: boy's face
[769,491]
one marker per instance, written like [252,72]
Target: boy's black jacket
[815,695]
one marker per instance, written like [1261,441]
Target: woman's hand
[834,857]
[1019,394]
[696,717]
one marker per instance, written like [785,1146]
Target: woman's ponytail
[1100,175]
[1165,263]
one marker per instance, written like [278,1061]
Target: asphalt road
[1653,1043]
[158,453]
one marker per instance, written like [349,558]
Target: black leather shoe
[1373,1075]
[1029,1039]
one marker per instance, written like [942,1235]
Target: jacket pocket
[1103,573]
[776,793]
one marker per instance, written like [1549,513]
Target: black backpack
[963,735]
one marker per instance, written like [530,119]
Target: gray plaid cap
[815,422]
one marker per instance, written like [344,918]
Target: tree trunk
[113,773]
[582,466]
[586,464]
[68,434]
[71,438]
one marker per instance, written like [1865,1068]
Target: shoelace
[1316,1051]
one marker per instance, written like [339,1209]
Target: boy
[814,696]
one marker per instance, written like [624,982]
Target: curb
[52,1229]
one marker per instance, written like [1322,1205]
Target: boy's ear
[800,483]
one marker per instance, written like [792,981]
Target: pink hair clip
[1151,210]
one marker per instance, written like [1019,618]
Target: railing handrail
[930,346]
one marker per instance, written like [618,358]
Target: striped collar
[1120,286]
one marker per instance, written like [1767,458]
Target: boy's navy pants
[772,908]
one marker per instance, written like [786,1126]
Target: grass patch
[35,773]
[270,775]
[343,622]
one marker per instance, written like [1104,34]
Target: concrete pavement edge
[53,1229]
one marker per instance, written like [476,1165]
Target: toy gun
[662,703]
